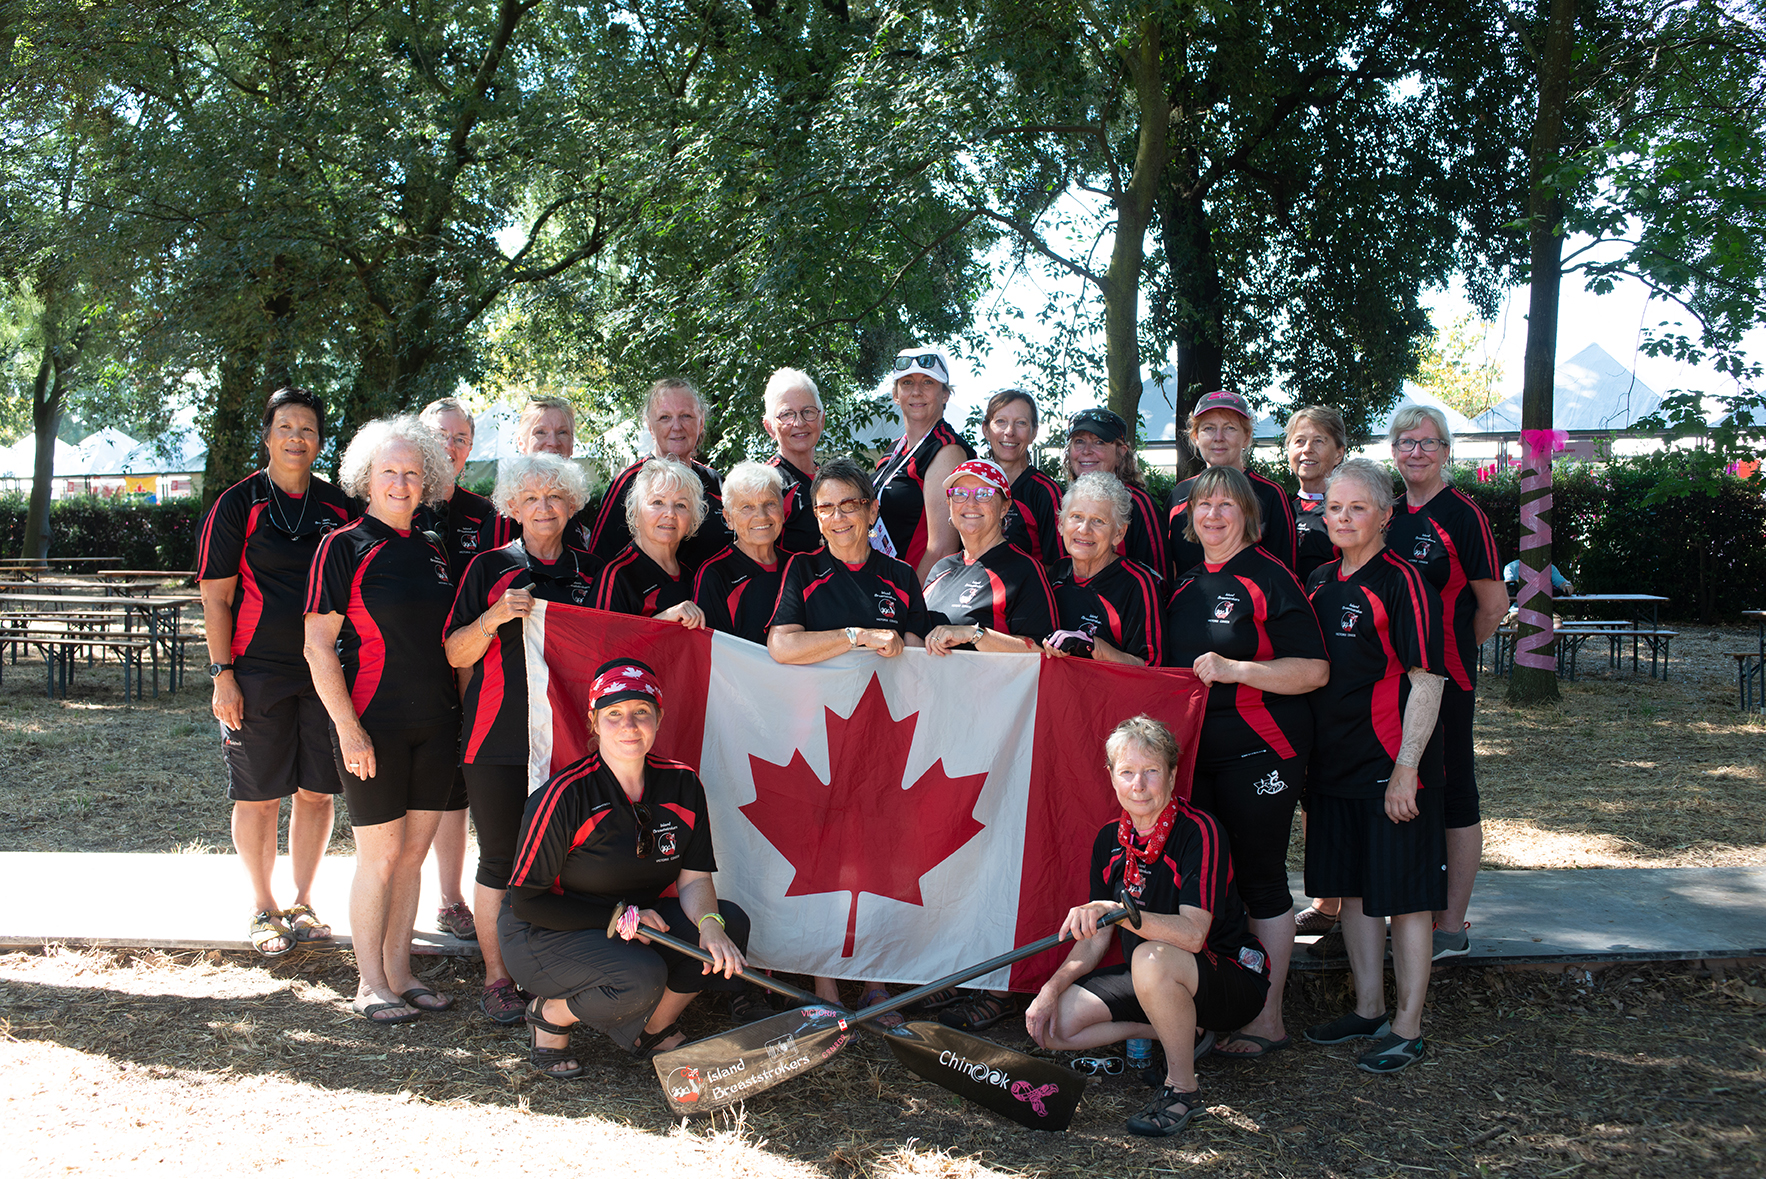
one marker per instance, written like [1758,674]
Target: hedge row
[1705,552]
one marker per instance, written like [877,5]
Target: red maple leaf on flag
[860,831]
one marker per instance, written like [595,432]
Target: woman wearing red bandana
[1193,963]
[617,825]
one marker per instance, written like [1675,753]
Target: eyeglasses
[646,841]
[846,507]
[790,417]
[964,494]
[926,360]
[1426,445]
[1099,1066]
[455,439]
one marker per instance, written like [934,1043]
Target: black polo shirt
[1249,608]
[1379,622]
[1003,589]
[394,593]
[632,583]
[1145,539]
[611,533]
[577,856]
[1033,521]
[738,593]
[495,728]
[822,592]
[801,533]
[1278,523]
[266,538]
[1312,540]
[1196,870]
[1119,604]
[1449,539]
[469,522]
[901,488]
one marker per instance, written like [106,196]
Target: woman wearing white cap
[1220,430]
[910,478]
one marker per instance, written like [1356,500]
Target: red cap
[624,679]
[1222,399]
[986,470]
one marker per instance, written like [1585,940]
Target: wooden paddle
[721,1070]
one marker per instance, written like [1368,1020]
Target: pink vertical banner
[1534,649]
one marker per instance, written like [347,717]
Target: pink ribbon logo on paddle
[1023,1092]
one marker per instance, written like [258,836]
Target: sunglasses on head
[926,360]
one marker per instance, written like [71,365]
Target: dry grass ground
[145,1062]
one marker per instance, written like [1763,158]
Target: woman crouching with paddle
[1193,963]
[617,825]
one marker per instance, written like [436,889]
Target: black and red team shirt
[1003,589]
[801,533]
[738,593]
[1278,523]
[1145,539]
[578,853]
[1033,521]
[266,538]
[632,583]
[901,488]
[470,526]
[1119,604]
[494,731]
[611,532]
[1379,622]
[822,592]
[1449,539]
[1196,869]
[1312,541]
[394,593]
[1249,608]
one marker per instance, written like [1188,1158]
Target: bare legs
[1277,936]
[383,901]
[254,838]
[486,903]
[558,1013]
[1412,946]
[450,859]
[1465,851]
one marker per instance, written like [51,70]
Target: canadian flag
[884,819]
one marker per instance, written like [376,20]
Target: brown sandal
[309,932]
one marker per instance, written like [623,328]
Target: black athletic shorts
[1456,741]
[282,742]
[457,799]
[1229,993]
[498,795]
[1354,850]
[413,771]
[1254,797]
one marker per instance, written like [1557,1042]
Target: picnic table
[129,581]
[32,563]
[62,635]
[159,614]
[1642,632]
[1751,665]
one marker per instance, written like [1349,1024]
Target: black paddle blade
[709,1074]
[1038,1094]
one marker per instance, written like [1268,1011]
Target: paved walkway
[198,902]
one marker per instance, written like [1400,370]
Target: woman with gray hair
[664,507]
[1108,605]
[674,417]
[542,493]
[1443,533]
[793,419]
[377,597]
[739,586]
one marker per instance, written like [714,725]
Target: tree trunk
[1534,678]
[46,394]
[1192,304]
[235,432]
[1134,212]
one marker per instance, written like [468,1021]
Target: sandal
[309,931]
[370,1010]
[936,1001]
[975,1012]
[267,927]
[877,995]
[645,1046]
[545,1061]
[457,920]
[748,1005]
[1158,1121]
[411,997]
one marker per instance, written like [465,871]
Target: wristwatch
[851,637]
[215,669]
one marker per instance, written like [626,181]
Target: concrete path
[200,901]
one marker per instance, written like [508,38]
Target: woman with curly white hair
[664,507]
[378,596]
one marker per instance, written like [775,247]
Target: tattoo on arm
[1420,714]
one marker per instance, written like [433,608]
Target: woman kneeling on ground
[1192,964]
[617,825]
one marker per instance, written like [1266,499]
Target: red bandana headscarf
[1133,857]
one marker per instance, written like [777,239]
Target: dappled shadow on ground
[1656,1071]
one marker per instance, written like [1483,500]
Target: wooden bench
[1569,638]
[62,643]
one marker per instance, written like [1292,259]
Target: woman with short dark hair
[1099,441]
[1010,424]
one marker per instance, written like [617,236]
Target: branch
[900,274]
[1029,236]
[507,18]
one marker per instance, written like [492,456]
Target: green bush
[144,536]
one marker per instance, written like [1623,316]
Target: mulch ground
[216,1063]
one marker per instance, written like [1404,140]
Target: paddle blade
[721,1070]
[1035,1093]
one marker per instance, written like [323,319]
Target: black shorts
[1354,850]
[1457,707]
[498,795]
[413,771]
[1254,797]
[1229,994]
[282,743]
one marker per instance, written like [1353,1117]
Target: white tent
[1457,423]
[1592,392]
[1162,417]
[102,453]
[493,435]
[18,461]
[176,452]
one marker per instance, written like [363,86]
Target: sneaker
[1392,1054]
[746,1006]
[503,1002]
[1452,945]
[1349,1027]
[457,920]
[1310,921]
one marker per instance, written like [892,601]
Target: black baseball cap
[1105,424]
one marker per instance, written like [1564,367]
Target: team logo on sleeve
[1421,550]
